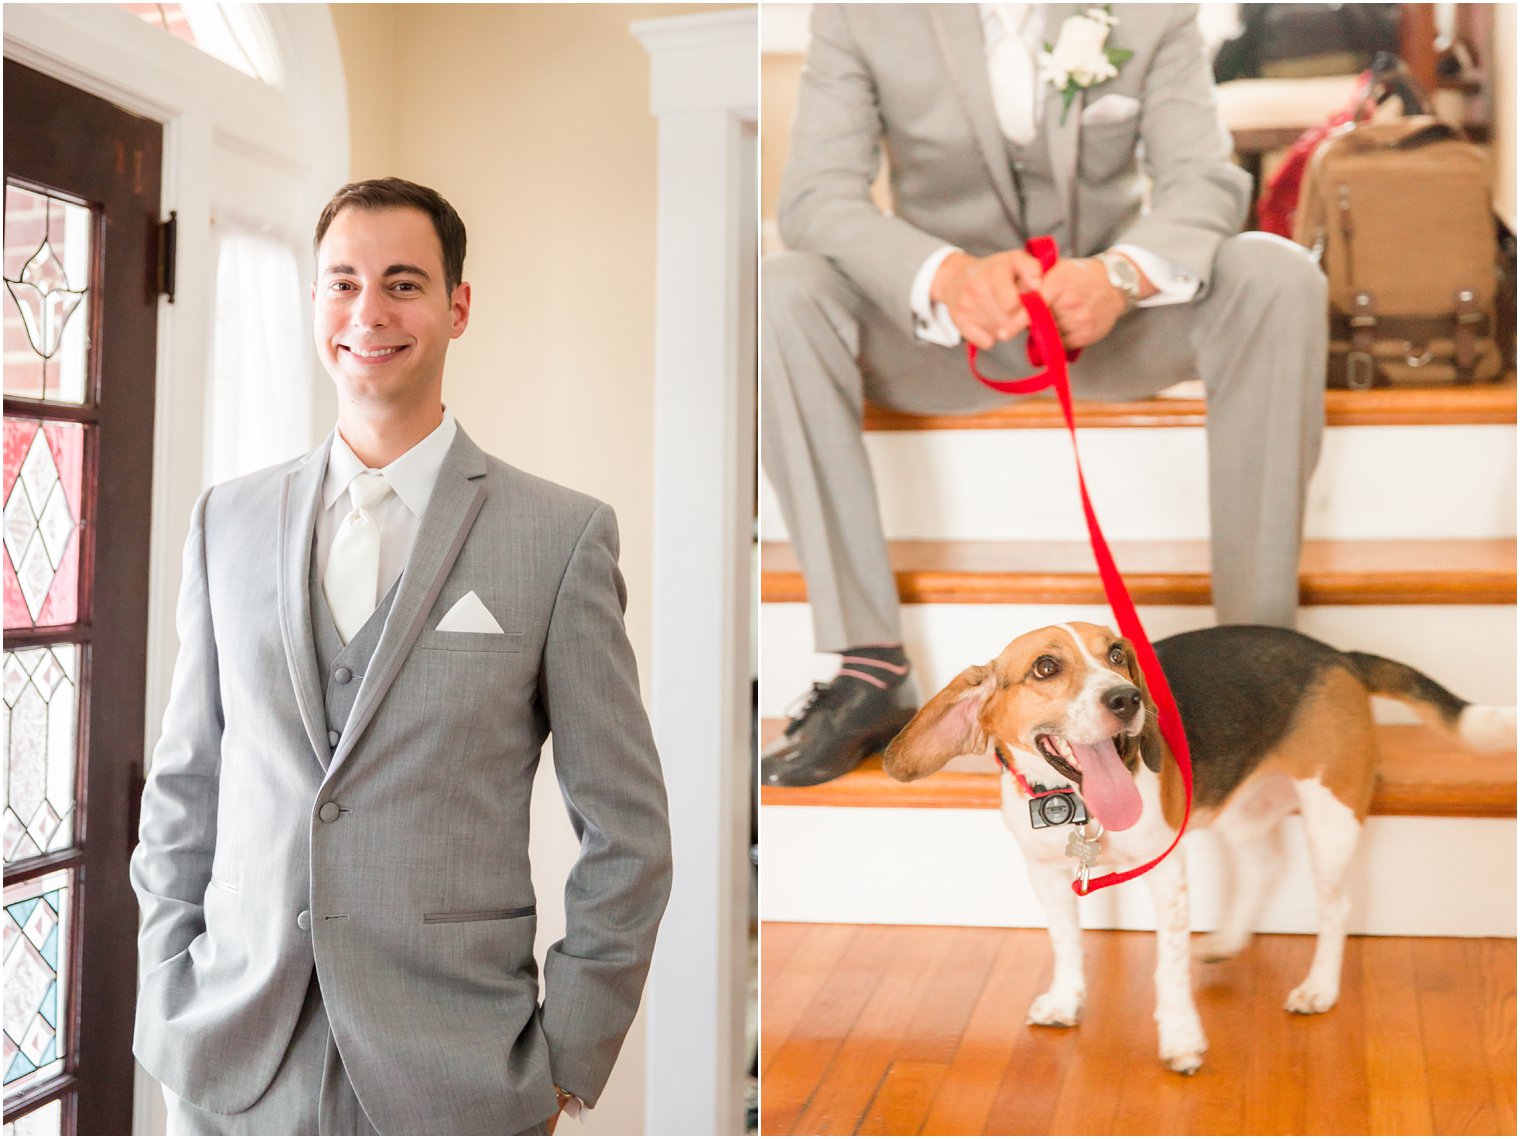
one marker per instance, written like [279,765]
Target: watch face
[1122,275]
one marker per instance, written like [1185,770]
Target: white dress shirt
[932,323]
[412,477]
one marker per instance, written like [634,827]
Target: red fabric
[1045,344]
[1279,201]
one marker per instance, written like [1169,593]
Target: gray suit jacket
[418,897]
[912,78]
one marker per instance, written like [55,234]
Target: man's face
[384,316]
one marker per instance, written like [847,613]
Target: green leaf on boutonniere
[1068,96]
[1119,56]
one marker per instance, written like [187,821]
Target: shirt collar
[412,475]
[1026,21]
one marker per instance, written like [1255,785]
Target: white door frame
[704,89]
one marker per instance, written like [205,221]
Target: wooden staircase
[1183,406]
[1367,572]
[1423,773]
[1379,575]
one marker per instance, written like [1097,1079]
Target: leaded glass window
[44,465]
[41,687]
[45,1120]
[36,982]
[52,251]
[48,246]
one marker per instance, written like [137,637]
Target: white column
[704,90]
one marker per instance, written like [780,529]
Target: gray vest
[1032,171]
[342,667]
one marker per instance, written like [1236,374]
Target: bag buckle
[1469,315]
[1360,370]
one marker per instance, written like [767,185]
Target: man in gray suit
[1112,144]
[375,640]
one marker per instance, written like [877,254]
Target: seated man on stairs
[1112,144]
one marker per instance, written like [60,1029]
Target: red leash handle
[1044,342]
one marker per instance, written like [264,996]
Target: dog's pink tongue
[1108,788]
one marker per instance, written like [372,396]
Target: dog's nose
[1123,701]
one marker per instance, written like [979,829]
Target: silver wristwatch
[1122,275]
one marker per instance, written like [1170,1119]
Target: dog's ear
[947,726]
[1150,738]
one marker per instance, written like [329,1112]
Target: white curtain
[258,410]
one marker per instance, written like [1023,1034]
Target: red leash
[1045,345]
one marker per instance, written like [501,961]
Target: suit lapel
[1064,139]
[299,496]
[958,30]
[451,511]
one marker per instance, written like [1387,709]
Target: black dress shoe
[838,725]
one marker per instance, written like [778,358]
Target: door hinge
[168,243]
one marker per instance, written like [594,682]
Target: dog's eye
[1046,667]
[1116,655]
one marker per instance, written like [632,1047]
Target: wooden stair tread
[1183,406]
[1423,773]
[1332,572]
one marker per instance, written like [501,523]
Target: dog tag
[1085,850]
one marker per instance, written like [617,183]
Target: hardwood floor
[903,1030]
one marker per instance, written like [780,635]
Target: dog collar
[1028,789]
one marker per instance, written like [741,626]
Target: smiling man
[376,639]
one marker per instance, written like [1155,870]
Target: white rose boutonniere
[1081,58]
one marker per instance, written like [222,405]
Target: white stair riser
[1470,649]
[1152,485]
[1411,876]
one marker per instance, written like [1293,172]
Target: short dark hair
[398,193]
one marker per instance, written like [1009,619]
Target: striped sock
[882,666]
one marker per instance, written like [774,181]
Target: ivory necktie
[1010,68]
[352,580]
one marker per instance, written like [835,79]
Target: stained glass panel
[45,1120]
[47,275]
[41,724]
[36,934]
[44,475]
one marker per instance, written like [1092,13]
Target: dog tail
[1482,726]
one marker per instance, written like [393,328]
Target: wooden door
[82,274]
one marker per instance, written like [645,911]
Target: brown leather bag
[1399,214]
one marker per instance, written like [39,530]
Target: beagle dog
[1276,722]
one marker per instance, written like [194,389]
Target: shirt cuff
[931,322]
[1174,284]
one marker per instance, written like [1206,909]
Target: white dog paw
[1312,997]
[1183,1047]
[1185,1064]
[1056,1010]
[1217,947]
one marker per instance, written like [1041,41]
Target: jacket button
[332,739]
[343,676]
[303,919]
[329,812]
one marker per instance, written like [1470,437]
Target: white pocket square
[469,615]
[1110,109]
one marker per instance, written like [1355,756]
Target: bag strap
[1045,349]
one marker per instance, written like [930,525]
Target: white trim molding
[704,89]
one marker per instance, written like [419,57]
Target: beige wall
[533,120]
[1504,112]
